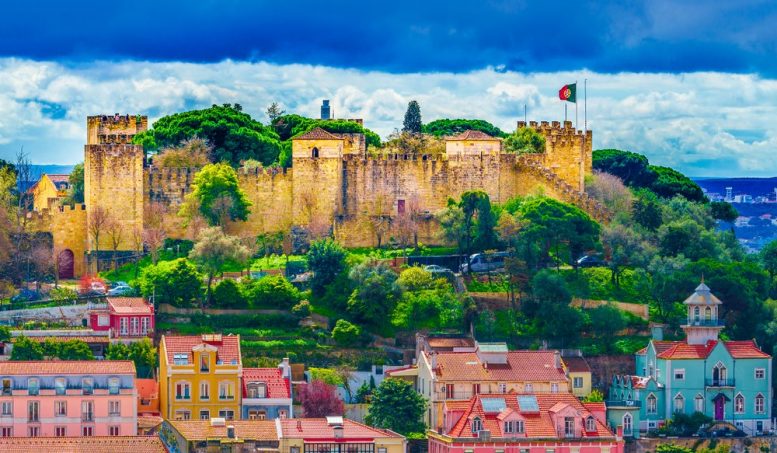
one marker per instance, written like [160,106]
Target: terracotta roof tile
[450,343]
[537,424]
[681,350]
[745,350]
[317,134]
[472,135]
[59,178]
[576,364]
[228,346]
[49,367]
[318,428]
[538,366]
[130,305]
[197,430]
[277,385]
[121,444]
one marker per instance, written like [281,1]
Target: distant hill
[739,186]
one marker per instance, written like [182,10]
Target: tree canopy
[234,135]
[398,407]
[525,140]
[217,195]
[446,127]
[289,126]
[412,122]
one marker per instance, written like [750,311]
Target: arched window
[314,153]
[590,424]
[739,404]
[759,404]
[627,424]
[719,374]
[698,403]
[477,425]
[652,404]
[696,314]
[679,403]
[708,313]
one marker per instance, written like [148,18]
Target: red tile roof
[679,350]
[576,364]
[682,350]
[48,367]
[745,350]
[318,428]
[228,346]
[117,444]
[59,178]
[277,385]
[537,424]
[130,305]
[450,343]
[199,430]
[538,366]
[317,134]
[472,135]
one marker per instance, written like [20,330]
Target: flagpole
[565,111]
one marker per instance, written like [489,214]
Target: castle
[334,187]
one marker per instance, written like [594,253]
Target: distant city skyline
[680,83]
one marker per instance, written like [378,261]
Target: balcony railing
[719,382]
[623,403]
[705,322]
[87,417]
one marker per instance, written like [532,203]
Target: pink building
[125,317]
[68,398]
[524,423]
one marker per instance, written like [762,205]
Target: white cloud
[687,121]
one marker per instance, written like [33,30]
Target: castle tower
[568,152]
[113,178]
[703,323]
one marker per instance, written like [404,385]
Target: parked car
[591,261]
[434,268]
[26,295]
[112,285]
[485,262]
[97,288]
[120,290]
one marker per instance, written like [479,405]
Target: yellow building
[199,377]
[579,374]
[48,190]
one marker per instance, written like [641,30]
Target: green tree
[549,307]
[326,259]
[234,135]
[175,282]
[670,183]
[5,334]
[75,350]
[632,168]
[26,349]
[290,126]
[625,248]
[415,278]
[274,111]
[227,294]
[213,250]
[768,258]
[216,194]
[448,127]
[606,322]
[363,393]
[398,407]
[346,334]
[525,140]
[412,123]
[76,181]
[663,282]
[435,309]
[271,291]
[646,210]
[596,396]
[142,353]
[470,222]
[376,293]
[724,211]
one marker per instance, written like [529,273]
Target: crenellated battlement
[116,128]
[394,157]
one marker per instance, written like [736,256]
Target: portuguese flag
[568,93]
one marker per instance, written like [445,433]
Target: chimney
[338,431]
[557,359]
[285,368]
[230,432]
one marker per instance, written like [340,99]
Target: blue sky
[690,84]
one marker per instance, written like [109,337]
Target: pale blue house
[729,381]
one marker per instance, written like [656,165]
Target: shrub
[345,333]
[415,278]
[175,282]
[301,310]
[227,294]
[271,291]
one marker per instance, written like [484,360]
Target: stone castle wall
[67,225]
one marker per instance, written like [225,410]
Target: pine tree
[412,123]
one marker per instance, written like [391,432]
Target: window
[204,362]
[477,425]
[87,431]
[759,404]
[449,391]
[226,391]
[7,408]
[698,403]
[314,153]
[7,387]
[33,386]
[696,314]
[134,326]
[476,389]
[760,373]
[652,404]
[282,415]
[87,386]
[87,411]
[60,408]
[227,414]
[145,325]
[759,426]
[6,431]
[528,388]
[739,404]
[180,359]
[509,427]
[679,374]
[60,386]
[114,407]
[569,426]
[553,387]
[60,431]
[33,431]
[182,391]
[400,207]
[679,403]
[257,415]
[257,390]
[707,314]
[204,390]
[113,386]
[514,426]
[103,320]
[502,388]
[590,424]
[113,430]
[183,415]
[33,411]
[123,326]
[577,382]
[627,424]
[205,415]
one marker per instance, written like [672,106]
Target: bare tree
[22,256]
[115,233]
[406,223]
[154,239]
[136,239]
[97,222]
[378,219]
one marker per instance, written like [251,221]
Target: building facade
[729,381]
[267,393]
[126,318]
[487,368]
[200,377]
[524,423]
[68,399]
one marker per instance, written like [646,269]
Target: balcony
[705,323]
[87,417]
[719,382]
[623,403]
